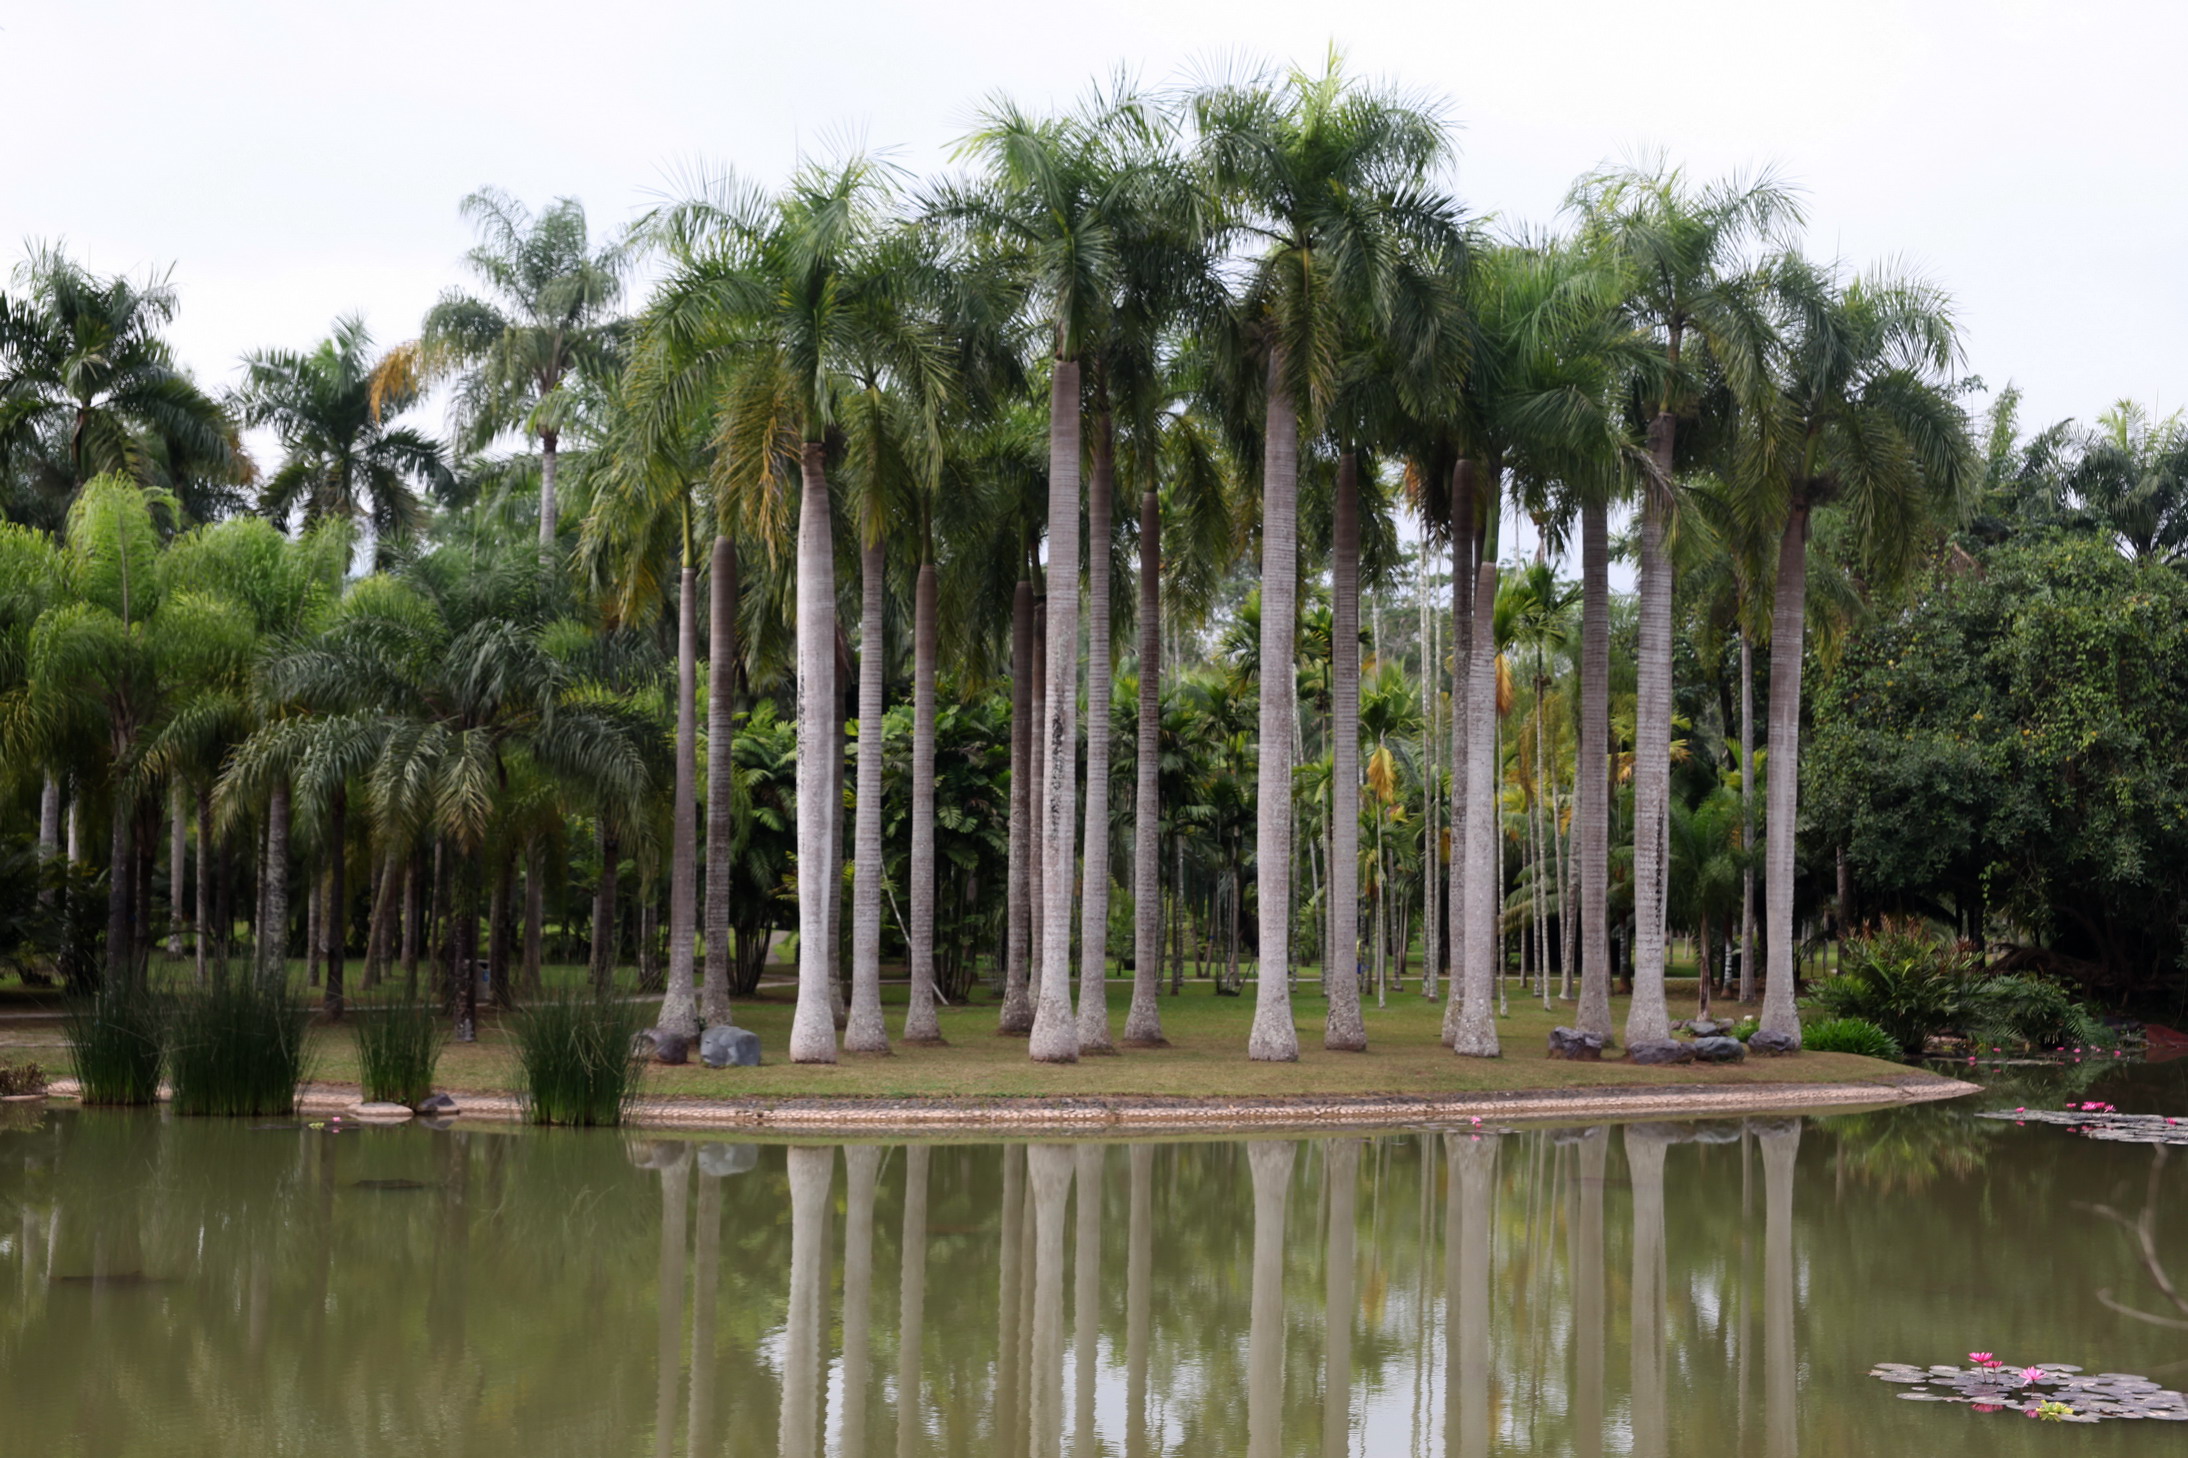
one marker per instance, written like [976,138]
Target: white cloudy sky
[294,161]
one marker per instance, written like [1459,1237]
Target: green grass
[237,1048]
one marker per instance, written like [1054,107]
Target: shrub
[238,1049]
[1907,982]
[1849,1035]
[2016,1008]
[1747,1028]
[114,1044]
[398,1046]
[574,1050]
[20,1078]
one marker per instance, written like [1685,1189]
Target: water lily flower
[2032,1374]
[1981,1359]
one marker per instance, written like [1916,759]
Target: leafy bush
[1849,1035]
[238,1049]
[1907,982]
[114,1044]
[574,1051]
[20,1078]
[398,1046]
[1747,1028]
[2016,1008]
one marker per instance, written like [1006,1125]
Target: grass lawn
[1206,1056]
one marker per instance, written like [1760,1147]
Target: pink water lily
[2032,1374]
[1981,1359]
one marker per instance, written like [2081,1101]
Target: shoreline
[1153,1114]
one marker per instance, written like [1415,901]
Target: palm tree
[1329,177]
[1864,419]
[788,315]
[342,461]
[550,320]
[1682,253]
[88,386]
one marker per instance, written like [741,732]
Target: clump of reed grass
[237,1048]
[399,1044]
[574,1050]
[114,1043]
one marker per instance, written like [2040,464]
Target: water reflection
[1460,1294]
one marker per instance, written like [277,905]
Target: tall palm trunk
[1787,620]
[1747,814]
[1143,1025]
[921,1025]
[335,920]
[203,923]
[1647,1021]
[1343,1028]
[1591,789]
[605,912]
[680,1007]
[1094,857]
[178,865]
[535,914]
[1476,1033]
[121,956]
[380,932]
[1055,1030]
[1463,539]
[721,771]
[548,439]
[812,1030]
[867,1032]
[1017,1013]
[273,931]
[1036,921]
[1431,880]
[1273,1037]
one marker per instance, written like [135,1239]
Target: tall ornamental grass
[398,1045]
[237,1049]
[114,1043]
[574,1050]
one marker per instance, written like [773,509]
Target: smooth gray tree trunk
[1017,1011]
[1647,1020]
[1343,1029]
[1781,805]
[1747,814]
[921,1022]
[1094,1034]
[812,1029]
[1475,1035]
[178,866]
[721,769]
[1143,1024]
[680,1007]
[273,930]
[1273,1037]
[547,505]
[1055,1030]
[867,1031]
[1463,539]
[1036,920]
[203,922]
[1592,788]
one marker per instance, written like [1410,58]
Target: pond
[214,1288]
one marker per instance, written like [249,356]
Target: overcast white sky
[295,161]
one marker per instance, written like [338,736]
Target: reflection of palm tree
[1139,1276]
[1781,1141]
[911,1301]
[673,1160]
[1271,1163]
[1086,1275]
[862,1166]
[706,1278]
[1595,1148]
[1048,1168]
[1009,1334]
[1344,1174]
[1473,1161]
[812,1171]
[1645,1147]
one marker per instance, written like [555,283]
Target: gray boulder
[1574,1044]
[661,1046]
[1666,1052]
[1707,1027]
[720,1160]
[1718,1050]
[726,1046]
[1773,1043]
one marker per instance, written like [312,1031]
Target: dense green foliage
[1913,985]
[1849,1035]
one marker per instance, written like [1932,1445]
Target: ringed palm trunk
[1787,620]
[273,931]
[1647,1021]
[547,507]
[921,1025]
[812,1029]
[680,1008]
[1462,668]
[121,959]
[1143,1025]
[1055,1030]
[1094,857]
[178,859]
[1274,1038]
[867,1032]
[1344,1029]
[1036,922]
[1475,1035]
[203,923]
[1747,814]
[1017,1013]
[335,920]
[721,770]
[1592,790]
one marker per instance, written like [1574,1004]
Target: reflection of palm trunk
[1595,1148]
[705,1278]
[812,1171]
[1645,1165]
[1049,1169]
[1473,1162]
[1009,1335]
[1139,1273]
[1344,1175]
[1781,1141]
[911,1301]
[862,1164]
[1271,1162]
[668,1370]
[1086,1277]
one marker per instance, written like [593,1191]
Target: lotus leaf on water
[2041,1390]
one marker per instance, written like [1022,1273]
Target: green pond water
[192,1287]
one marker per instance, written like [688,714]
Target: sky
[294,162]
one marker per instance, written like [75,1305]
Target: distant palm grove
[1099,559]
